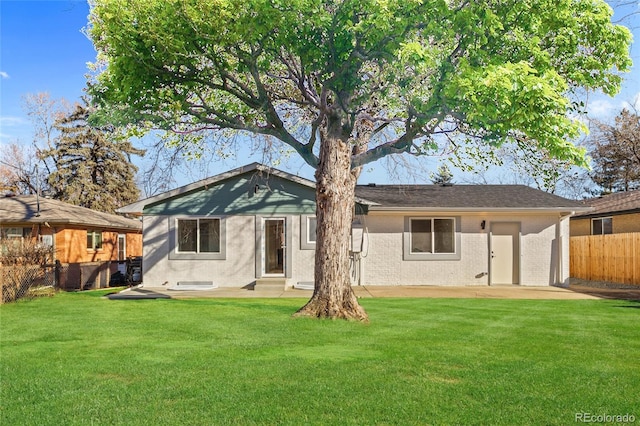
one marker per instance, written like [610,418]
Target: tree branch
[398,146]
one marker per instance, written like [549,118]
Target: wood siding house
[255,226]
[89,246]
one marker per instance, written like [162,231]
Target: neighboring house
[605,241]
[611,214]
[254,224]
[88,245]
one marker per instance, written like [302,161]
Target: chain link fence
[26,271]
[24,281]
[26,268]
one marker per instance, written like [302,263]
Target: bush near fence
[27,269]
[611,258]
[24,281]
[25,265]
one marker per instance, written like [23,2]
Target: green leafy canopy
[398,76]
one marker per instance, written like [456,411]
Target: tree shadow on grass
[632,295]
[633,304]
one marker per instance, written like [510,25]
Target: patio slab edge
[489,292]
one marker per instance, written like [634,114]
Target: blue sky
[43,49]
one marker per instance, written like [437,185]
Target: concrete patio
[494,292]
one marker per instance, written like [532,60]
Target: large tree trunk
[333,296]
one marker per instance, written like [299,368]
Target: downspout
[560,261]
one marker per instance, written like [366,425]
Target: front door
[274,247]
[505,253]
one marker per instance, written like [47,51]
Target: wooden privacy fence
[613,258]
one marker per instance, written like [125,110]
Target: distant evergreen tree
[93,166]
[443,176]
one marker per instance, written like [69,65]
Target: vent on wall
[193,285]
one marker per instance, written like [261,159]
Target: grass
[77,359]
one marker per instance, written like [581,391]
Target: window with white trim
[198,235]
[602,225]
[46,240]
[15,232]
[432,238]
[433,235]
[311,229]
[94,240]
[308,227]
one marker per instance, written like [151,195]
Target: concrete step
[270,284]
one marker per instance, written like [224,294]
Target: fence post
[56,274]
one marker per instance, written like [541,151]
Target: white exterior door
[505,253]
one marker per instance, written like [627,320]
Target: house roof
[464,197]
[612,204]
[25,209]
[405,197]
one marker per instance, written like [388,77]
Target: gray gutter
[573,210]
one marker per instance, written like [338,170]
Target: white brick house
[254,223]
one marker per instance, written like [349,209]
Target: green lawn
[77,358]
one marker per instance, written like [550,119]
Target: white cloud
[9,121]
[600,108]
[12,127]
[635,102]
[4,74]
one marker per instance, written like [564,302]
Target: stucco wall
[539,245]
[565,247]
[543,253]
[238,269]
[384,264]
[539,257]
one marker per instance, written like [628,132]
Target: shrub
[23,267]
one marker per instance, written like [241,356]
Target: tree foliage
[93,166]
[488,69]
[616,153]
[345,82]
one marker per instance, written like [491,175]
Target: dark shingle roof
[464,197]
[24,209]
[617,203]
[386,197]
